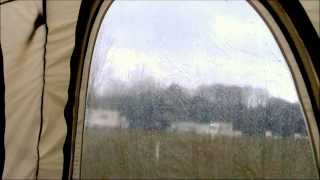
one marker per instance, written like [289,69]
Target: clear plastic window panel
[191,89]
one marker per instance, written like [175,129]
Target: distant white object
[237,133]
[297,136]
[221,128]
[188,126]
[106,118]
[157,150]
[212,129]
[268,134]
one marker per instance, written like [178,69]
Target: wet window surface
[191,89]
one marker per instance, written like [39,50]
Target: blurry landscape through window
[195,89]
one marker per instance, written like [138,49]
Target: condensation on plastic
[191,89]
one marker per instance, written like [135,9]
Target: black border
[88,8]
[2,114]
[309,37]
[305,29]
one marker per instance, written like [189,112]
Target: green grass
[132,153]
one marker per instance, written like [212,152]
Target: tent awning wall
[312,8]
[26,81]
[23,68]
[61,20]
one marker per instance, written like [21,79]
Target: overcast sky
[190,43]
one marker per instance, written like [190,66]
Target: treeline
[251,111]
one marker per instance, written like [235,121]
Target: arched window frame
[90,20]
[306,96]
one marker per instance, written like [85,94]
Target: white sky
[189,43]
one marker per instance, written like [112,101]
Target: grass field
[116,153]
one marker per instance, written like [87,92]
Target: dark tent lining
[311,40]
[309,36]
[88,9]
[2,114]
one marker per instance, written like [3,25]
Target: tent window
[193,89]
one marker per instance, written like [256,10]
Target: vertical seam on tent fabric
[44,8]
[2,115]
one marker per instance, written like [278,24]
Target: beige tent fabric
[23,67]
[312,7]
[61,19]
